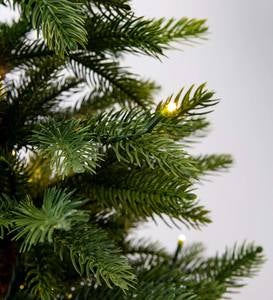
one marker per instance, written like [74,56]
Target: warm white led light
[171,107]
[181,238]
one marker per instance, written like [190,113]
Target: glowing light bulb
[181,239]
[21,287]
[13,152]
[171,107]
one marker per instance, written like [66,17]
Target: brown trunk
[3,69]
[7,265]
[7,247]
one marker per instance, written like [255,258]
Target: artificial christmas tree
[76,180]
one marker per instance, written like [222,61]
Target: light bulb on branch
[169,108]
[181,239]
[180,242]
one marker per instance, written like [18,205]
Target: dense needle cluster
[76,179]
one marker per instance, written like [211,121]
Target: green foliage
[188,117]
[154,151]
[9,36]
[13,175]
[144,193]
[105,75]
[212,163]
[28,99]
[211,278]
[161,281]
[119,5]
[152,37]
[94,102]
[44,274]
[114,126]
[192,277]
[183,129]
[6,220]
[68,145]
[37,225]
[129,134]
[226,271]
[74,125]
[189,257]
[144,249]
[91,251]
[61,22]
[191,103]
[155,290]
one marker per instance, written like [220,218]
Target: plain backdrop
[237,62]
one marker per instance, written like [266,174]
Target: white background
[237,62]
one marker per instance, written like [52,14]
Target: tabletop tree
[76,180]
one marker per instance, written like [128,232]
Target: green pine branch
[190,103]
[104,74]
[27,51]
[144,252]
[61,23]
[68,146]
[234,265]
[130,135]
[135,137]
[6,218]
[185,129]
[30,97]
[118,5]
[44,274]
[162,290]
[163,282]
[92,252]
[13,175]
[140,35]
[128,165]
[117,33]
[154,151]
[35,225]
[226,271]
[94,103]
[207,164]
[143,193]
[144,248]
[9,37]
